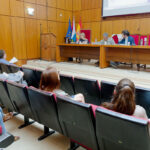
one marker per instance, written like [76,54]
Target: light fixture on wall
[30,11]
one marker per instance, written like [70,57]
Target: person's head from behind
[125,34]
[2,54]
[82,35]
[124,98]
[105,36]
[50,79]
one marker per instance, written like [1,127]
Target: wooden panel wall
[20,32]
[90,11]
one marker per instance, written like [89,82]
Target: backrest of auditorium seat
[66,84]
[44,108]
[89,88]
[4,96]
[5,68]
[117,131]
[38,74]
[30,77]
[14,68]
[107,89]
[77,121]
[143,98]
[19,96]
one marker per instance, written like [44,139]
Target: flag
[78,30]
[73,37]
[69,32]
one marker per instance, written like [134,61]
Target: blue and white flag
[73,37]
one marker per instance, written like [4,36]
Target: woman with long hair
[50,81]
[124,100]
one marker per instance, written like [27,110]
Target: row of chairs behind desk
[108,131]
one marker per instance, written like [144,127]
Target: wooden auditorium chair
[78,123]
[89,88]
[5,97]
[30,77]
[117,131]
[44,107]
[19,96]
[67,84]
[107,89]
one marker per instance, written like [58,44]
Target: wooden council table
[104,53]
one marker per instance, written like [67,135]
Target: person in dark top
[123,100]
[127,39]
[50,81]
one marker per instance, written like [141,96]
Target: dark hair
[126,32]
[2,53]
[124,98]
[50,79]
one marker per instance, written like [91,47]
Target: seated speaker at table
[83,39]
[106,40]
[126,38]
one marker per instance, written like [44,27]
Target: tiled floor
[29,135]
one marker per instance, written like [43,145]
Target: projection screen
[125,7]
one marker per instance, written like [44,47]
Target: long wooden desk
[105,53]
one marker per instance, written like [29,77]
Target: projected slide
[123,7]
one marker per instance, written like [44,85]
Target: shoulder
[138,107]
[130,37]
[60,92]
[140,112]
[4,61]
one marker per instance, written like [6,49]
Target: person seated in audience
[4,118]
[50,81]
[126,38]
[3,57]
[123,100]
[106,41]
[14,77]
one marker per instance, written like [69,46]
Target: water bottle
[145,41]
[141,43]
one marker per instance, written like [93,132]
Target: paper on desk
[13,60]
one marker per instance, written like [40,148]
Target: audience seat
[38,74]
[89,88]
[30,77]
[6,140]
[67,84]
[107,89]
[44,108]
[143,98]
[14,68]
[5,68]
[19,96]
[116,131]
[77,121]
[5,98]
